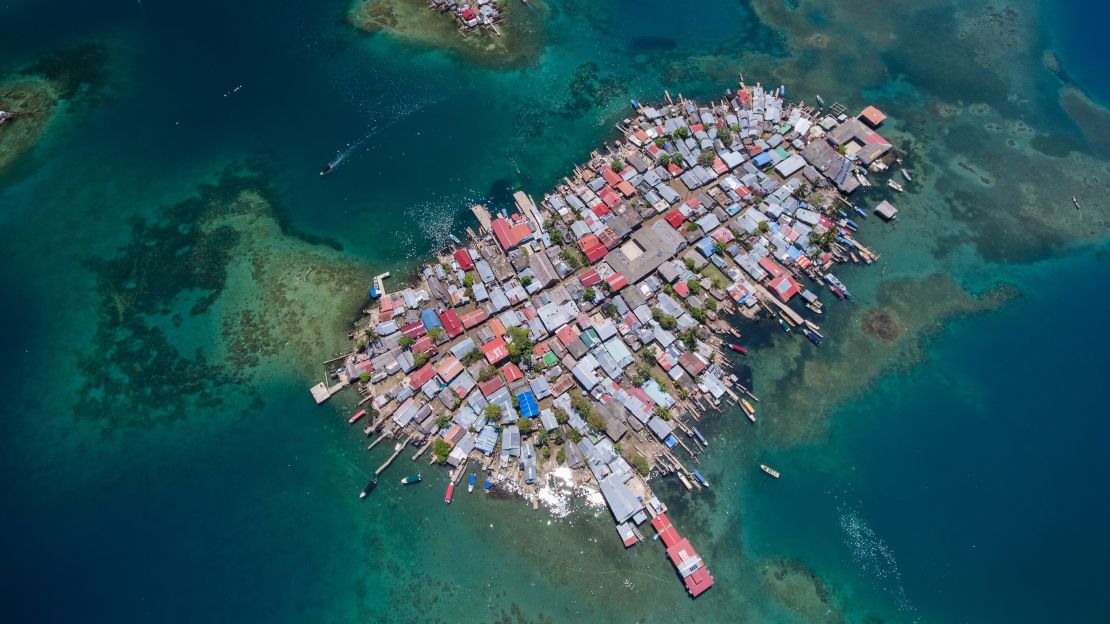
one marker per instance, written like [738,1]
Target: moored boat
[769,470]
[450,493]
[814,338]
[860,211]
[697,475]
[1075,201]
[412,478]
[356,416]
[894,185]
[749,411]
[784,324]
[486,486]
[699,436]
[470,487]
[369,488]
[820,101]
[737,348]
[906,174]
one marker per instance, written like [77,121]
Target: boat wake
[398,114]
[875,558]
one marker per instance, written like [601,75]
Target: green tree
[472,356]
[520,347]
[698,314]
[525,280]
[689,338]
[468,280]
[560,456]
[590,294]
[689,263]
[541,436]
[571,257]
[574,436]
[561,416]
[556,236]
[525,425]
[582,405]
[762,228]
[406,341]
[691,227]
[486,373]
[706,158]
[662,412]
[641,464]
[711,305]
[441,449]
[720,247]
[436,333]
[664,160]
[694,286]
[660,141]
[725,135]
[616,165]
[442,421]
[419,360]
[364,376]
[682,132]
[546,453]
[596,422]
[493,411]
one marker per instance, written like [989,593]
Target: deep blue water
[1079,35]
[967,489]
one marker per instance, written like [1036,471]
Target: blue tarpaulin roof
[528,406]
[428,316]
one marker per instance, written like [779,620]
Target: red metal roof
[872,116]
[520,233]
[772,267]
[414,330]
[592,247]
[674,169]
[566,334]
[610,176]
[472,318]
[675,218]
[616,281]
[454,434]
[423,344]
[449,368]
[562,384]
[502,230]
[495,350]
[696,128]
[785,287]
[451,323]
[682,290]
[601,209]
[626,188]
[608,238]
[421,377]
[491,385]
[511,372]
[609,196]
[589,278]
[462,256]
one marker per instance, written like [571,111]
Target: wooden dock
[482,215]
[322,392]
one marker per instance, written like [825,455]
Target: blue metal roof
[528,406]
[430,319]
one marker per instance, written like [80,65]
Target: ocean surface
[174,271]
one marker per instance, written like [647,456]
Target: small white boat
[769,470]
[906,175]
[894,185]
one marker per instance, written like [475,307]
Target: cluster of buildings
[470,14]
[573,331]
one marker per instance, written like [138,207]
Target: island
[575,343]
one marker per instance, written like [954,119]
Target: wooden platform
[322,392]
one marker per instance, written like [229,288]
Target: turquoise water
[165,461]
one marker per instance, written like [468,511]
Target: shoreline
[611,349]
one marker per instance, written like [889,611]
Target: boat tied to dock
[412,478]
